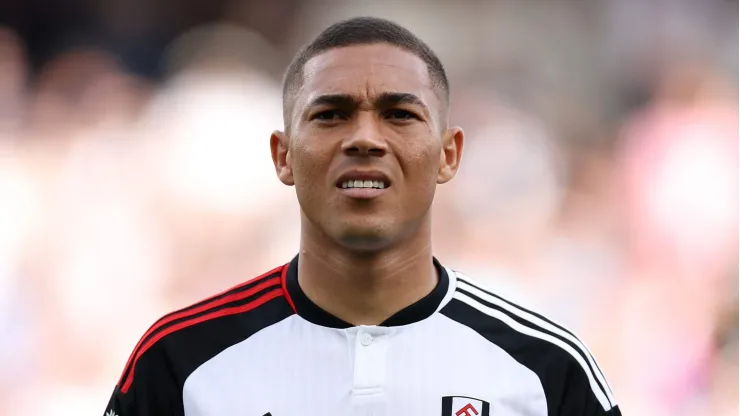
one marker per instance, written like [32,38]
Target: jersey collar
[416,312]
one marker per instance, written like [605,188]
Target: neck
[365,288]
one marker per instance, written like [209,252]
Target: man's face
[368,144]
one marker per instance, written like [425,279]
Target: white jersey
[263,348]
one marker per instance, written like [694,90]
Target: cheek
[309,167]
[421,166]
[420,159]
[303,161]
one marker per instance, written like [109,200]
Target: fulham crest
[464,406]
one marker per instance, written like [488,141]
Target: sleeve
[584,396]
[147,387]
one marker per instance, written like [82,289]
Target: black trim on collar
[415,312]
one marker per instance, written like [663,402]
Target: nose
[366,139]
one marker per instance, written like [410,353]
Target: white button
[366,339]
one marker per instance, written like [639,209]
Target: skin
[362,260]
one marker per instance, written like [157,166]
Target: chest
[307,371]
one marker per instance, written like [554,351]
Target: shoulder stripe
[284,285]
[228,292]
[241,291]
[233,310]
[541,322]
[513,324]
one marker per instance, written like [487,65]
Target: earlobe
[449,158]
[281,157]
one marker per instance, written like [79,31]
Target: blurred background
[599,183]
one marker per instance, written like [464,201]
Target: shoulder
[547,348]
[186,338]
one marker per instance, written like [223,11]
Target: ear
[449,158]
[281,157]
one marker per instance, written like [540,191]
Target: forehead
[364,71]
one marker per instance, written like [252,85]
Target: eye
[401,115]
[329,115]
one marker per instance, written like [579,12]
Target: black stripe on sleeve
[549,362]
[521,308]
[580,350]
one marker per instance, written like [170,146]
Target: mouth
[363,185]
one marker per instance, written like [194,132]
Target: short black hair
[362,31]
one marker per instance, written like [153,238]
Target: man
[364,321]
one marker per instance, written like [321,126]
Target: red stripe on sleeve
[283,280]
[215,314]
[211,304]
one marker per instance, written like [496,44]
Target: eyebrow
[335,100]
[386,99]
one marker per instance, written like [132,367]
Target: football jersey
[264,348]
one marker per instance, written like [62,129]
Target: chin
[367,240]
[365,245]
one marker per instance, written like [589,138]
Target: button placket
[366,339]
[370,361]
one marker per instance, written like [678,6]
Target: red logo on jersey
[464,406]
[466,410]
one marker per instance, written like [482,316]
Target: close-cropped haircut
[362,31]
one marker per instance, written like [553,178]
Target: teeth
[363,184]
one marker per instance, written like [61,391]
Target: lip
[362,193]
[363,175]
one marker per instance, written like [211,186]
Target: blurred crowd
[599,183]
